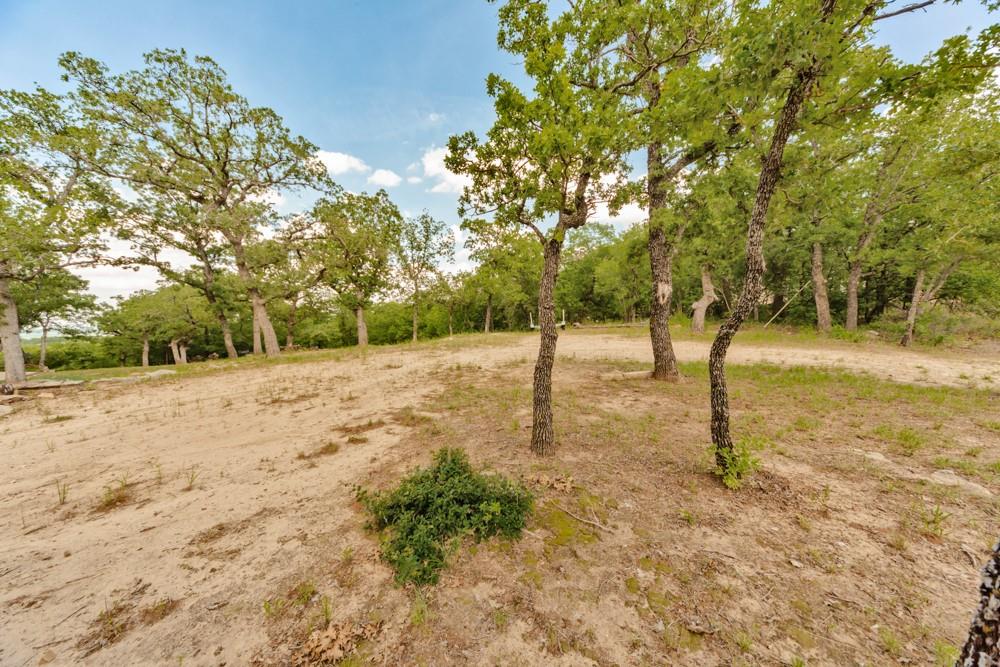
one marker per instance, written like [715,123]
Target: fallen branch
[581,519]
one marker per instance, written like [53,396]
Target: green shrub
[432,508]
[739,462]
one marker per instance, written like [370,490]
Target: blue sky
[381,83]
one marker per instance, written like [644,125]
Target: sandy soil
[227,500]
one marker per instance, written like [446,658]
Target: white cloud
[413,179]
[385,178]
[629,215]
[445,180]
[435,117]
[106,282]
[272,197]
[341,163]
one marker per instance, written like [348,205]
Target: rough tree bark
[488,320]
[753,283]
[914,310]
[661,258]
[10,337]
[855,268]
[982,648]
[542,433]
[184,353]
[359,313]
[145,351]
[700,307]
[820,295]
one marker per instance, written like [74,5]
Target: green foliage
[739,462]
[432,507]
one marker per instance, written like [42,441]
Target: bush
[432,508]
[740,462]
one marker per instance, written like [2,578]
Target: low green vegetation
[422,519]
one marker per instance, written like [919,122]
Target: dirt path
[224,496]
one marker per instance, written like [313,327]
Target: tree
[55,301]
[355,237]
[825,34]
[135,319]
[51,206]
[180,131]
[556,154]
[424,243]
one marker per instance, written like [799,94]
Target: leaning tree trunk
[488,321]
[10,337]
[820,295]
[753,283]
[227,336]
[542,433]
[911,314]
[184,353]
[982,648]
[359,313]
[145,351]
[175,352]
[271,347]
[43,348]
[700,307]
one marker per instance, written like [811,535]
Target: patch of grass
[191,475]
[357,439]
[62,488]
[423,517]
[303,593]
[419,613]
[906,439]
[275,608]
[933,522]
[326,450]
[945,655]
[890,642]
[115,494]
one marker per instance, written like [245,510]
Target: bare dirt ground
[210,520]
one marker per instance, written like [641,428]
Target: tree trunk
[43,348]
[853,283]
[359,312]
[661,265]
[145,351]
[911,314]
[227,336]
[823,321]
[451,319]
[271,347]
[257,347]
[184,353]
[488,323]
[175,352]
[700,307]
[982,648]
[542,433]
[753,283]
[10,337]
